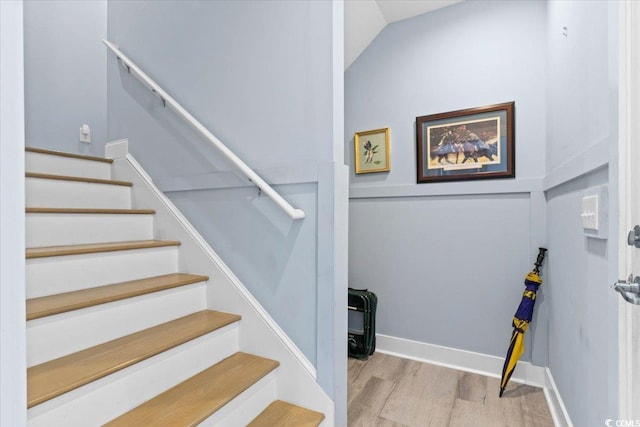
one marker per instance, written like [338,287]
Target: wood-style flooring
[388,391]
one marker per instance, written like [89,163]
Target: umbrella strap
[519,325]
[534,277]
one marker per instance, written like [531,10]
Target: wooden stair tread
[58,376]
[78,179]
[70,155]
[90,211]
[68,301]
[283,414]
[194,400]
[50,251]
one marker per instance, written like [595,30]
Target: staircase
[120,334]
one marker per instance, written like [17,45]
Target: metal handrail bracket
[167,100]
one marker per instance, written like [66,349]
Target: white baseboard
[462,360]
[478,363]
[554,400]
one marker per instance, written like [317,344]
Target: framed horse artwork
[476,143]
[372,151]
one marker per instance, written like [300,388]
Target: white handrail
[168,100]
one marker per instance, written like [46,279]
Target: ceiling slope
[364,19]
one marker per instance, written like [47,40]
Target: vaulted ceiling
[364,19]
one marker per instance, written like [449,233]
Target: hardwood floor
[388,391]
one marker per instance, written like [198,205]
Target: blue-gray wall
[437,254]
[581,159]
[448,260]
[65,74]
[421,247]
[260,76]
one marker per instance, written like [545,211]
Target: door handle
[633,238]
[629,289]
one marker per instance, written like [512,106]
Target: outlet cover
[85,133]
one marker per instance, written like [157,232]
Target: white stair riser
[109,397]
[59,165]
[55,275]
[260,333]
[248,405]
[55,336]
[43,229]
[52,193]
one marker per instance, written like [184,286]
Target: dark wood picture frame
[470,144]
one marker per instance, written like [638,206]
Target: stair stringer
[260,334]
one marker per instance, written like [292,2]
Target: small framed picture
[477,143]
[372,151]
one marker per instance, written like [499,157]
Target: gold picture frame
[372,151]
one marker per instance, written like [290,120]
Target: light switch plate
[594,213]
[589,212]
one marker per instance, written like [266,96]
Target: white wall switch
[595,212]
[589,212]
[85,133]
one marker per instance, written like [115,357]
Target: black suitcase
[362,323]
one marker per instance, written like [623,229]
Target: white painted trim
[462,360]
[494,186]
[338,53]
[332,261]
[558,411]
[116,149]
[336,296]
[628,109]
[589,160]
[478,363]
[283,175]
[13,387]
[215,258]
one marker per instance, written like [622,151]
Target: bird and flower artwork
[372,151]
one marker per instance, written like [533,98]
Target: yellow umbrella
[521,320]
